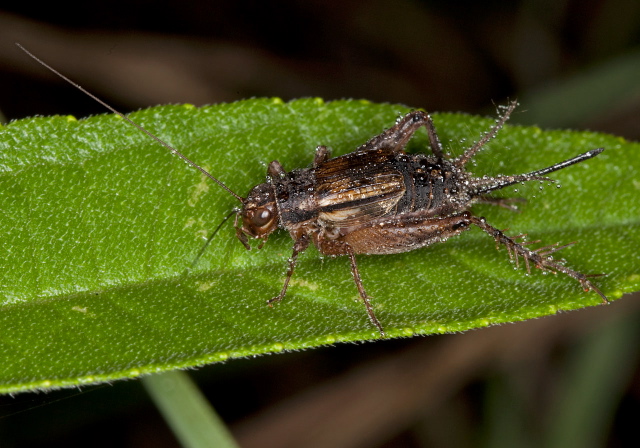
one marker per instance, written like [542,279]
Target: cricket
[380,200]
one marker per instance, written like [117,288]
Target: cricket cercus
[380,200]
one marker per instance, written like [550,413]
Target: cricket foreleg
[539,257]
[362,292]
[299,246]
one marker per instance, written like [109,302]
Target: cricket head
[259,214]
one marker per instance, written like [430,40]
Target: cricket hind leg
[539,257]
[390,235]
[434,140]
[396,138]
[299,246]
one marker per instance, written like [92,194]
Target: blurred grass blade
[594,382]
[190,416]
[505,418]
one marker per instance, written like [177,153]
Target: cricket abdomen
[431,185]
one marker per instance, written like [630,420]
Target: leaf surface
[99,225]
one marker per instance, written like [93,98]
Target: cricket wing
[352,194]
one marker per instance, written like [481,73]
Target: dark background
[570,63]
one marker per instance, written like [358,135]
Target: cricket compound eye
[260,221]
[262,217]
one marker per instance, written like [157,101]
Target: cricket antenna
[131,122]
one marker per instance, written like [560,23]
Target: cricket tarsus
[540,257]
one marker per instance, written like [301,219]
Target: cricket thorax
[294,196]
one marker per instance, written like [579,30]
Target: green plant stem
[191,418]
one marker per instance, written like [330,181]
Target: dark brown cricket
[380,200]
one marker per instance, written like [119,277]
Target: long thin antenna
[131,122]
[204,247]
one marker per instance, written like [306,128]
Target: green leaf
[99,224]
